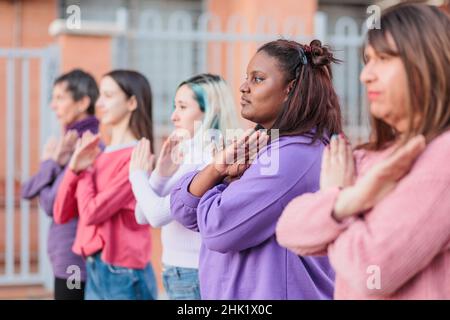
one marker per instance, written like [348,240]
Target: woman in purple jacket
[288,90]
[73,100]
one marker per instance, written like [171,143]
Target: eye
[258,79]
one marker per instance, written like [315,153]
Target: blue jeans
[108,282]
[181,283]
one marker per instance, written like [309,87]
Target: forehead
[380,42]
[60,86]
[184,93]
[262,62]
[109,83]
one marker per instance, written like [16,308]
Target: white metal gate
[19,78]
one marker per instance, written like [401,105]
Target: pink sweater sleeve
[306,226]
[97,207]
[400,236]
[65,206]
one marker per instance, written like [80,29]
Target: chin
[105,121]
[378,110]
[247,115]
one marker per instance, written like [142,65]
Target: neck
[268,125]
[80,117]
[121,133]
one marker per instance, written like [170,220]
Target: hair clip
[302,56]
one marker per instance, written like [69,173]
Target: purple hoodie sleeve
[244,213]
[48,171]
[47,195]
[44,184]
[183,205]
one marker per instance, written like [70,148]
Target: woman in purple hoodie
[289,91]
[73,100]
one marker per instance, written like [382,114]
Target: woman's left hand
[141,157]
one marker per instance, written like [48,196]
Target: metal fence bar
[25,205]
[46,129]
[10,167]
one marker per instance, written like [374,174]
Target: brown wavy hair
[422,38]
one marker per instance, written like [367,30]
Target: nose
[367,74]
[174,116]
[99,102]
[244,88]
[53,105]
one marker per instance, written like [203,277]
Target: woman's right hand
[378,181]
[86,150]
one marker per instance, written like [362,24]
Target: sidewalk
[35,292]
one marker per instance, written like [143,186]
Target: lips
[373,95]
[244,101]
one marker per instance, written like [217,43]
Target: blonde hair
[215,99]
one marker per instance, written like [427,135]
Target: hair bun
[321,55]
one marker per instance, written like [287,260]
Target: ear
[289,88]
[132,104]
[83,104]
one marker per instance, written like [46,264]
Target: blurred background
[168,41]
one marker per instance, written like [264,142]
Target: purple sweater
[45,185]
[240,257]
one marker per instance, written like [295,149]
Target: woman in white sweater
[202,103]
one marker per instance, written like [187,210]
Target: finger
[91,141]
[245,142]
[147,149]
[342,149]
[333,148]
[413,149]
[325,158]
[73,136]
[165,146]
[349,156]
[139,150]
[133,154]
[398,164]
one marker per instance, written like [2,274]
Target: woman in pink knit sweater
[383,211]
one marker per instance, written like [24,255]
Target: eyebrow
[257,71]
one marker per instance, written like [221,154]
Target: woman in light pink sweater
[383,211]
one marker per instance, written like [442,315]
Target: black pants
[62,292]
